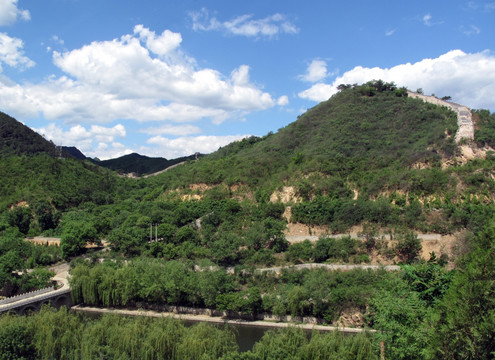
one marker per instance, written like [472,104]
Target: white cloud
[390,32]
[174,148]
[283,100]
[468,78]
[167,129]
[244,25]
[161,45]
[470,30]
[9,12]
[121,79]
[97,141]
[57,40]
[316,71]
[427,19]
[318,92]
[202,21]
[240,76]
[11,53]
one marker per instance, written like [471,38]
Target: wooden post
[382,350]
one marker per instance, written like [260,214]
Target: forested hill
[18,139]
[359,135]
[368,160]
[33,173]
[140,164]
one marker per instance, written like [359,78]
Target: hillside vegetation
[17,139]
[356,132]
[369,157]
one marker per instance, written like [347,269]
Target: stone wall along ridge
[465,126]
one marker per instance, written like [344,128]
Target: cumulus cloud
[141,76]
[11,53]
[316,71]
[468,78]
[173,148]
[103,142]
[10,13]
[161,45]
[176,130]
[283,100]
[318,92]
[243,25]
[97,141]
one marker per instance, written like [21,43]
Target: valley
[373,210]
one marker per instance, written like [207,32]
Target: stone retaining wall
[226,314]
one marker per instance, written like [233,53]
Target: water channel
[246,335]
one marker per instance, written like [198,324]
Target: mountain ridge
[18,139]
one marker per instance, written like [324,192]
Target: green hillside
[359,133]
[18,139]
[65,183]
[369,158]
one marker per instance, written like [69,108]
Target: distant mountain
[74,152]
[140,164]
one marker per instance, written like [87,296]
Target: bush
[408,247]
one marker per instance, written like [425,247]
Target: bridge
[33,301]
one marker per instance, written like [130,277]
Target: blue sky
[169,78]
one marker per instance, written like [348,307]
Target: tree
[75,236]
[463,324]
[15,340]
[44,214]
[9,262]
[20,217]
[274,236]
[408,247]
[397,312]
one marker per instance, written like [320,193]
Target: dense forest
[370,158]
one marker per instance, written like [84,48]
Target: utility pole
[151,232]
